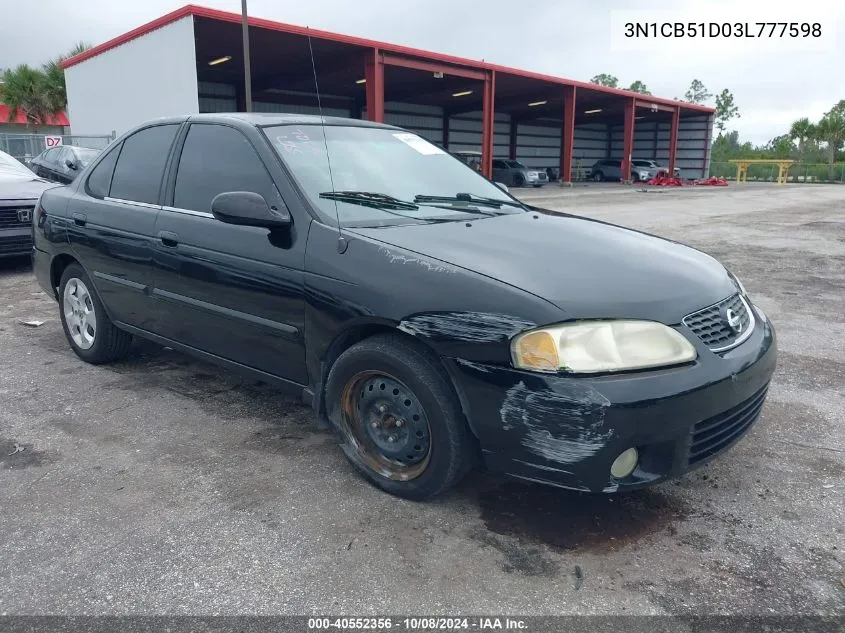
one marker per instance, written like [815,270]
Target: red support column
[567,140]
[513,139]
[374,74]
[487,127]
[629,141]
[673,139]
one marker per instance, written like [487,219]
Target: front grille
[15,244]
[711,325]
[9,217]
[715,434]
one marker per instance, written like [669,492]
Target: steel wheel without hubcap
[386,425]
[79,313]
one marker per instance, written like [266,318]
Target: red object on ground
[713,181]
[664,181]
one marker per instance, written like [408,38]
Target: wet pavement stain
[565,520]
[16,455]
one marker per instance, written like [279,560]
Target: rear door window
[137,175]
[216,159]
[99,181]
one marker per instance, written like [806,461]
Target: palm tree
[802,130]
[831,130]
[22,90]
[54,78]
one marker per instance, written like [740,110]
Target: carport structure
[460,104]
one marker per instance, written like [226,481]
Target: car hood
[589,269]
[22,188]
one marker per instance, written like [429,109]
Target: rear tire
[399,418]
[90,332]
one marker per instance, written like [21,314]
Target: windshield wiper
[369,199]
[469,197]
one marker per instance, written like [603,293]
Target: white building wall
[152,76]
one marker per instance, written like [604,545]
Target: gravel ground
[164,485]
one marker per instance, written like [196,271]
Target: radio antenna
[342,243]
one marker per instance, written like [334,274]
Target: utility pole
[247,70]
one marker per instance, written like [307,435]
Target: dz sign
[52,141]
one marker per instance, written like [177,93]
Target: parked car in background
[641,170]
[515,174]
[64,163]
[19,192]
[402,299]
[652,167]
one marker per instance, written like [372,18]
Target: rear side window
[100,179]
[498,164]
[216,159]
[137,175]
[50,155]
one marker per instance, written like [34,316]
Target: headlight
[644,175]
[599,346]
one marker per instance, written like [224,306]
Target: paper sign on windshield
[419,144]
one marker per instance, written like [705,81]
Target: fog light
[625,464]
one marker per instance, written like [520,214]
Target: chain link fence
[25,147]
[799,172]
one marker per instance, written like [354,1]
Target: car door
[62,172]
[111,221]
[41,163]
[232,291]
[501,173]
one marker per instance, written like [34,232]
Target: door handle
[79,219]
[168,238]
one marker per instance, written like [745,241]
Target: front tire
[399,419]
[598,176]
[90,332]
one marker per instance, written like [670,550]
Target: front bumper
[567,431]
[15,242]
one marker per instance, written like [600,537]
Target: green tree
[802,131]
[54,76]
[697,93]
[23,91]
[831,130]
[780,146]
[604,79]
[726,109]
[640,87]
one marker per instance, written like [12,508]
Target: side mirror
[503,187]
[70,164]
[247,208]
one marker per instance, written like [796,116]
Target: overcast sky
[566,38]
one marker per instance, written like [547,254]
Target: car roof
[262,119]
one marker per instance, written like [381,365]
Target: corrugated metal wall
[651,140]
[537,142]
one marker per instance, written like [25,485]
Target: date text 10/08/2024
[417,624]
[770,30]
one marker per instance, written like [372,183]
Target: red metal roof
[58,119]
[226,16]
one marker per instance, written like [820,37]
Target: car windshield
[383,176]
[86,155]
[514,164]
[10,166]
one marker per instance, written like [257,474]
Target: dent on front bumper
[567,431]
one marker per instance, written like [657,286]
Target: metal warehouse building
[191,61]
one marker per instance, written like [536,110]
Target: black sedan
[64,163]
[432,319]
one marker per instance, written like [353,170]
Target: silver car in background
[515,174]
